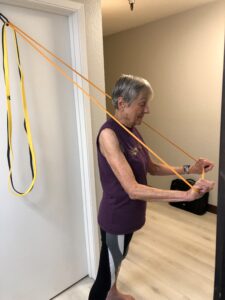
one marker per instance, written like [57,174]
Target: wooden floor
[171,258]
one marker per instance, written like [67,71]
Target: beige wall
[182,57]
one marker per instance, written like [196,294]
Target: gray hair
[129,87]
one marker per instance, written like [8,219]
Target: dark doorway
[219,287]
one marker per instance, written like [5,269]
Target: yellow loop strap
[9,115]
[97,103]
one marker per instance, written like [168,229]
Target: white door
[42,236]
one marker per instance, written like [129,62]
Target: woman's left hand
[201,163]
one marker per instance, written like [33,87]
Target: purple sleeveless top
[118,214]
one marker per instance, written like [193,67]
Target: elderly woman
[123,166]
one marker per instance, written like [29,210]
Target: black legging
[114,250]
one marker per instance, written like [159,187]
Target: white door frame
[75,12]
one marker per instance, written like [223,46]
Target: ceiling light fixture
[131,2]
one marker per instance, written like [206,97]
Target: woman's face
[133,113]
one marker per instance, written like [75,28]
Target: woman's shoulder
[112,125]
[109,125]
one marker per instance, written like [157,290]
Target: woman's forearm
[147,193]
[159,169]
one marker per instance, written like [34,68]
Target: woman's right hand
[201,187]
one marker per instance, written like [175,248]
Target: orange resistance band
[99,89]
[28,39]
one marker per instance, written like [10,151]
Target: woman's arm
[110,148]
[160,169]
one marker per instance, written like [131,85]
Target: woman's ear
[120,103]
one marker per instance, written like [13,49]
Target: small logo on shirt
[134,151]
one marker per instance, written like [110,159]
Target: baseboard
[212,209]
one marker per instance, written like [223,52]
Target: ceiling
[117,15]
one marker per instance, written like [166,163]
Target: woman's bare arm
[110,148]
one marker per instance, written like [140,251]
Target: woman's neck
[120,117]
